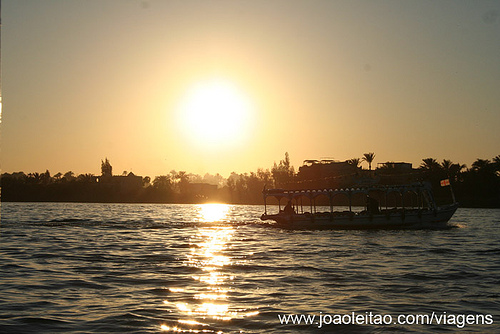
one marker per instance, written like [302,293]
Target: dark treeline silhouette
[477,186]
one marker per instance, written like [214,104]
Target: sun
[215,113]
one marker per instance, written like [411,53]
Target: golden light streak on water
[251,314]
[183,307]
[213,212]
[214,278]
[210,296]
[207,253]
[165,328]
[216,310]
[191,322]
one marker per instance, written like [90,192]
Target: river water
[152,268]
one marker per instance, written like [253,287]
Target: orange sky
[85,80]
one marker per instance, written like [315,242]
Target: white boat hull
[401,219]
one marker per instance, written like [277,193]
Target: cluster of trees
[173,187]
[477,186]
[126,187]
[243,188]
[368,157]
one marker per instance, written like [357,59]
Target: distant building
[327,173]
[395,166]
[397,173]
[128,183]
[125,183]
[318,174]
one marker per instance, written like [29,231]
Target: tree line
[172,187]
[476,186]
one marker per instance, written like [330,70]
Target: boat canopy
[422,190]
[312,193]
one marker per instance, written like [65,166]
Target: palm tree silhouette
[369,157]
[430,164]
[451,169]
[446,165]
[354,162]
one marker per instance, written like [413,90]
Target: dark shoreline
[475,187]
[202,202]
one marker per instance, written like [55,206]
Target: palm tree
[446,165]
[162,182]
[481,165]
[451,169]
[496,162]
[369,157]
[69,176]
[86,178]
[354,162]
[456,171]
[34,177]
[430,164]
[183,180]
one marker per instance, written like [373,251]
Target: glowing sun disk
[215,113]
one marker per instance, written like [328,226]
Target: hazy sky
[87,79]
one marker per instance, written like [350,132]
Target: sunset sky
[222,86]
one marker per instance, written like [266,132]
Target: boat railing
[422,190]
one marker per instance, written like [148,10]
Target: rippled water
[100,268]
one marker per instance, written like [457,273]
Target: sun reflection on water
[209,296]
[213,212]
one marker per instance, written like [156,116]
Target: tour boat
[417,208]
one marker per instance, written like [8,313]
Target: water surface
[150,268]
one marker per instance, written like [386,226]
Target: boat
[422,214]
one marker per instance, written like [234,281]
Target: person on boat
[289,209]
[372,205]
